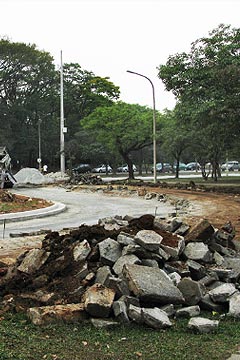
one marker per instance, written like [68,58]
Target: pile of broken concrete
[146,270]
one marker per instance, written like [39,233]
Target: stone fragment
[150,262]
[206,303]
[68,313]
[202,325]
[188,312]
[222,293]
[234,305]
[103,323]
[120,311]
[191,290]
[151,284]
[182,230]
[33,260]
[124,260]
[197,270]
[135,314]
[99,300]
[223,238]
[175,277]
[148,239]
[173,245]
[125,239]
[156,318]
[202,231]
[180,267]
[102,275]
[81,250]
[110,250]
[118,284]
[198,251]
[169,310]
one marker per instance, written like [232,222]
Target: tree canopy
[207,87]
[121,127]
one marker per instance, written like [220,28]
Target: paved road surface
[82,207]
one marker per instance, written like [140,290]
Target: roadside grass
[21,340]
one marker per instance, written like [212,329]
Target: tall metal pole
[39,146]
[154,126]
[62,151]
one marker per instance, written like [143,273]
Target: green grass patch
[21,340]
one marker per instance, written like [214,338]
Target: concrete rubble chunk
[182,230]
[124,260]
[117,284]
[198,251]
[103,274]
[135,314]
[175,247]
[99,300]
[148,239]
[151,284]
[202,325]
[125,239]
[206,303]
[222,293]
[120,311]
[156,318]
[81,250]
[191,290]
[202,231]
[110,250]
[234,305]
[188,311]
[68,313]
[103,323]
[197,270]
[32,262]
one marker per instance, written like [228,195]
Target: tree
[122,128]
[83,93]
[176,138]
[206,85]
[27,77]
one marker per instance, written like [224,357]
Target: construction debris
[138,271]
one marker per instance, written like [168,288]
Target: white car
[231,166]
[102,169]
[124,168]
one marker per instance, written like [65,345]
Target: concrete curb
[54,209]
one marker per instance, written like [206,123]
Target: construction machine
[7,179]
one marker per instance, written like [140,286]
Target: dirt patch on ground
[12,203]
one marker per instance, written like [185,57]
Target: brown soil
[12,203]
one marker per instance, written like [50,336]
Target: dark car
[82,169]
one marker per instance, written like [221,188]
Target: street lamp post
[154,125]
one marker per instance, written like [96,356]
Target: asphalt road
[81,207]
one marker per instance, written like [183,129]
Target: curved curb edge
[54,209]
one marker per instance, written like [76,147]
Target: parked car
[163,168]
[193,166]
[124,168]
[182,166]
[102,169]
[231,166]
[82,169]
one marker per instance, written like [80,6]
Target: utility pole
[62,128]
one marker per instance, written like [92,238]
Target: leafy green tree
[176,138]
[206,85]
[122,128]
[84,92]
[27,76]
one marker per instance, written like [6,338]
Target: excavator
[7,179]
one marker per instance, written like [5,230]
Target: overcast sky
[109,37]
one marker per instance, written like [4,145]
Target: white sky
[109,37]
